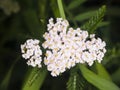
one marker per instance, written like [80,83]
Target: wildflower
[67,46]
[31,51]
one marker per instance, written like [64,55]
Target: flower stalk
[61,10]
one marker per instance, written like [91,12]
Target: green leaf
[85,15]
[102,72]
[92,24]
[75,3]
[32,23]
[74,82]
[104,23]
[55,8]
[96,80]
[34,79]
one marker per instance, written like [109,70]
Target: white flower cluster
[66,47]
[31,51]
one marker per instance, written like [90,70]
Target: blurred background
[23,19]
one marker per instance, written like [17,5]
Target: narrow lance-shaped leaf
[34,79]
[85,15]
[75,3]
[96,80]
[101,71]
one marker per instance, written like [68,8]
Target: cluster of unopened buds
[65,47]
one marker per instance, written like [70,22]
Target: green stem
[61,10]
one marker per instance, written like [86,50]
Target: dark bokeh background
[23,19]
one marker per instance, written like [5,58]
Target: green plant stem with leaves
[96,80]
[31,23]
[35,77]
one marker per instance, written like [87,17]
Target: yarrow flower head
[32,52]
[67,46]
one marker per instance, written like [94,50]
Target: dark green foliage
[29,21]
[92,24]
[99,82]
[75,3]
[75,82]
[34,79]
